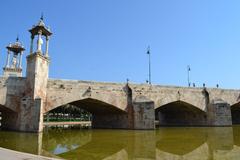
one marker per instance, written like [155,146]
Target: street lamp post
[149,65]
[188,73]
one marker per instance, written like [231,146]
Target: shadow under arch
[180,113]
[8,118]
[235,112]
[104,115]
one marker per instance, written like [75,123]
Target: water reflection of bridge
[162,144]
[169,143]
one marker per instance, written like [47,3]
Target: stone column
[8,58]
[32,106]
[31,45]
[219,113]
[20,60]
[143,113]
[30,117]
[47,44]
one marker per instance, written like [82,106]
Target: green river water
[173,143]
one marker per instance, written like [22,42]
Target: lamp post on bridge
[188,75]
[149,66]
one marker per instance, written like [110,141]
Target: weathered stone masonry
[24,100]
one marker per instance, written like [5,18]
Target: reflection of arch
[175,140]
[200,153]
[180,113]
[96,148]
[59,141]
[235,111]
[111,144]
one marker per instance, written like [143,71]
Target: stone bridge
[24,100]
[117,105]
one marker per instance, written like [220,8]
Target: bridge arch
[8,118]
[59,96]
[235,112]
[180,113]
[104,115]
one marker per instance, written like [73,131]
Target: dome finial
[41,16]
[17,39]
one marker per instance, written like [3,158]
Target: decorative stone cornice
[38,54]
[12,69]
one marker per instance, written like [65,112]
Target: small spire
[17,39]
[41,23]
[41,16]
[148,50]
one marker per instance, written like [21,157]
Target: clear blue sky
[107,40]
